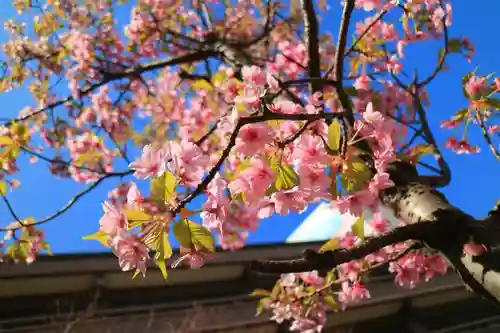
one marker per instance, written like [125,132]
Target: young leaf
[161,265]
[202,85]
[331,245]
[135,215]
[493,102]
[260,292]
[162,247]
[47,249]
[3,187]
[355,175]
[189,234]
[163,187]
[260,306]
[170,184]
[99,236]
[358,228]
[136,273]
[332,303]
[420,150]
[334,135]
[287,177]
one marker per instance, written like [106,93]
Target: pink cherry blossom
[253,138]
[113,219]
[187,161]
[476,85]
[253,181]
[310,151]
[352,293]
[192,259]
[150,164]
[287,200]
[379,182]
[131,252]
[354,204]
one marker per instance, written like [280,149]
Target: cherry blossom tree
[251,107]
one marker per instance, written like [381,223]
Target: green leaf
[420,150]
[493,102]
[47,249]
[287,177]
[260,292]
[460,115]
[170,184]
[202,85]
[162,247]
[6,141]
[189,233]
[331,245]
[137,215]
[331,276]
[136,273]
[3,187]
[330,301]
[356,175]
[260,306]
[454,45]
[358,228]
[99,236]
[161,265]
[163,187]
[334,135]
[276,291]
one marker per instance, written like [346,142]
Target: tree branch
[312,260]
[445,177]
[442,60]
[75,199]
[486,135]
[312,43]
[267,116]
[131,72]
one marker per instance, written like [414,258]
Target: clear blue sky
[475,186]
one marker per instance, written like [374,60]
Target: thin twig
[445,173]
[487,136]
[75,199]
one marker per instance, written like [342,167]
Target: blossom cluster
[252,141]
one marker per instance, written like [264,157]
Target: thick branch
[338,70]
[312,260]
[311,32]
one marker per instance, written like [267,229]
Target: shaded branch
[312,43]
[338,70]
[312,260]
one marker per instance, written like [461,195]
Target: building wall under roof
[74,294]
